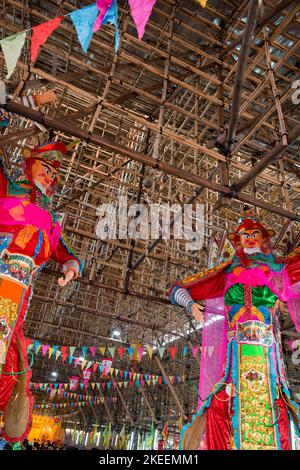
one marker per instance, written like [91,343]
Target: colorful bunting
[102,6]
[111,17]
[83,21]
[141,11]
[41,33]
[12,47]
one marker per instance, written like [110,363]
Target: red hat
[52,152]
[250,223]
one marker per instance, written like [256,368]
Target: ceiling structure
[200,111]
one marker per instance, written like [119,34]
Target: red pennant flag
[41,33]
[121,374]
[64,353]
[172,350]
[121,352]
[160,380]
[95,366]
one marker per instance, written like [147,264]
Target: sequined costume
[245,399]
[30,235]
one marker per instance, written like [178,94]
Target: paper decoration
[141,11]
[11,48]
[161,352]
[74,380]
[102,6]
[173,350]
[195,350]
[41,33]
[112,351]
[111,17]
[203,3]
[83,21]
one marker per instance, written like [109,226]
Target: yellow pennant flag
[50,351]
[203,3]
[102,350]
[149,351]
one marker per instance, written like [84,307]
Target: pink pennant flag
[141,11]
[45,348]
[41,33]
[102,6]
[93,350]
[140,351]
[77,360]
[195,350]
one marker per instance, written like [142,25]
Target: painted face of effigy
[44,176]
[252,238]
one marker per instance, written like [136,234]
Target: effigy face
[252,238]
[44,176]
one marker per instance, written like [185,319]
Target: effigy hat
[250,222]
[50,152]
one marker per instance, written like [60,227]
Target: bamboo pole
[165,167]
[128,414]
[265,161]
[240,73]
[178,404]
[148,404]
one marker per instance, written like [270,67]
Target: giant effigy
[245,401]
[30,235]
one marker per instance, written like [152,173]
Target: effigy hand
[48,97]
[197,312]
[63,281]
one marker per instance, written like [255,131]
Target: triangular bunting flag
[195,350]
[149,351]
[83,21]
[12,47]
[173,350]
[111,17]
[102,350]
[102,6]
[161,352]
[40,35]
[112,351]
[141,11]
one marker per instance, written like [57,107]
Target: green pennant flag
[151,437]
[161,352]
[12,47]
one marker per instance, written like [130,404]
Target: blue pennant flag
[111,17]
[83,21]
[84,350]
[130,352]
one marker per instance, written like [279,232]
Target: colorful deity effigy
[245,402]
[30,235]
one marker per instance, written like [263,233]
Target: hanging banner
[83,21]
[11,48]
[141,11]
[40,35]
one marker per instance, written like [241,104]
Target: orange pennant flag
[40,34]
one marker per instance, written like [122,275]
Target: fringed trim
[208,400]
[273,383]
[71,252]
[236,402]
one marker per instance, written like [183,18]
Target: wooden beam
[240,73]
[265,161]
[178,404]
[70,129]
